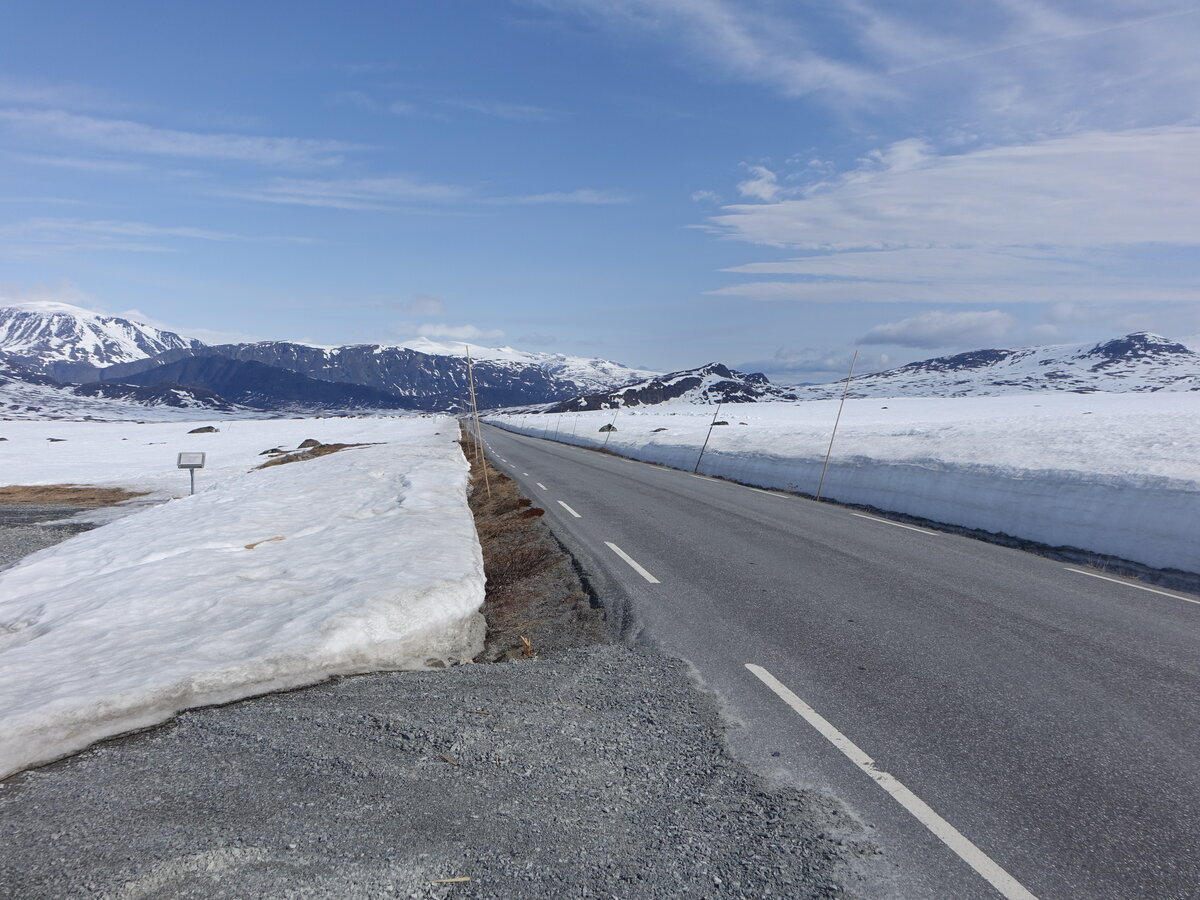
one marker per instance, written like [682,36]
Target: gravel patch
[20,533]
[599,773]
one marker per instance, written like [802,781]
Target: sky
[773,184]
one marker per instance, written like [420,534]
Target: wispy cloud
[385,193]
[586,196]
[459,332]
[435,105]
[942,329]
[751,42]
[1012,68]
[84,164]
[136,138]
[45,235]
[425,305]
[403,192]
[517,112]
[1060,219]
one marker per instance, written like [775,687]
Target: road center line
[1008,886]
[897,524]
[1132,585]
[526,474]
[568,509]
[632,562]
[539,484]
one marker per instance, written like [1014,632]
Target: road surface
[1006,725]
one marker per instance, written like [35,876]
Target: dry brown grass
[518,554]
[310,452]
[66,495]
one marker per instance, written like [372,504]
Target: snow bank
[362,560]
[1108,473]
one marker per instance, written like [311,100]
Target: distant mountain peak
[711,383]
[1139,361]
[60,339]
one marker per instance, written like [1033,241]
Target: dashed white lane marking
[539,484]
[897,524]
[633,563]
[1008,886]
[1132,585]
[568,509]
[526,474]
[768,493]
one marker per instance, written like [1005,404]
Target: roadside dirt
[535,602]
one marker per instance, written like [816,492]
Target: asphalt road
[1005,724]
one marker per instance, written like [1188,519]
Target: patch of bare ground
[309,449]
[535,603]
[82,495]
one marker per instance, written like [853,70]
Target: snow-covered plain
[361,560]
[1115,474]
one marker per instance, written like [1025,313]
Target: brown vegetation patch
[534,601]
[311,451]
[66,495]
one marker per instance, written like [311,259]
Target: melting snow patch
[357,561]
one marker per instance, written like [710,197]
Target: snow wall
[359,561]
[1149,519]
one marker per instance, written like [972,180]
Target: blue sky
[770,184]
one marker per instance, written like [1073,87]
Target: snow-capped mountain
[27,395]
[76,345]
[713,383]
[68,342]
[589,373]
[1137,362]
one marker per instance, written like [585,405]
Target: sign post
[191,462]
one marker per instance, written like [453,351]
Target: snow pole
[821,483]
[479,458]
[711,425]
[612,426]
[557,422]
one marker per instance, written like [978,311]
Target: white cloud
[748,41]
[761,185]
[1070,219]
[586,196]
[107,166]
[425,305]
[44,235]
[140,139]
[357,193]
[459,332]
[1100,188]
[517,112]
[942,329]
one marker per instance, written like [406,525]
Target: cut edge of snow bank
[1145,519]
[125,626]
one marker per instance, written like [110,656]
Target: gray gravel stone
[598,773]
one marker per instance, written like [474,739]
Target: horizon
[448,348]
[644,181]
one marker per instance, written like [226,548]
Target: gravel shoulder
[598,773]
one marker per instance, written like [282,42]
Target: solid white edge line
[897,524]
[568,509]
[632,562]
[542,486]
[768,493]
[1130,584]
[1008,886]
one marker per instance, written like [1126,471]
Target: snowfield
[358,561]
[1114,474]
